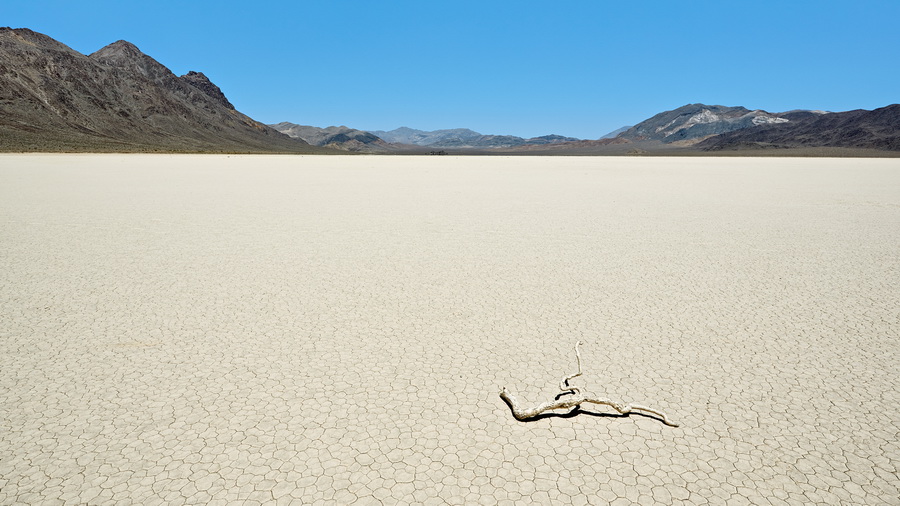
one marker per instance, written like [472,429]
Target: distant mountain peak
[694,122]
[118,49]
[335,137]
[124,54]
[615,132]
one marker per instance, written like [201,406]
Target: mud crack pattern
[303,330]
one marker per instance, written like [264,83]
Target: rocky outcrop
[200,81]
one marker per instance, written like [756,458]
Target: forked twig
[571,398]
[564,387]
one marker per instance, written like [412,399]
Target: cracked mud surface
[273,329]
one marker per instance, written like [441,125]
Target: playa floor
[301,329]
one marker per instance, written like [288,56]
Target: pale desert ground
[300,329]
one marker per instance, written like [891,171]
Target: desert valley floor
[301,329]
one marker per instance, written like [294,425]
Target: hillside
[53,98]
[878,129]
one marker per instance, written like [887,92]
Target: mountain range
[700,128]
[462,138]
[53,98]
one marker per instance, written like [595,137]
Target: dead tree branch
[571,398]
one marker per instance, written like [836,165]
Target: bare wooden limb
[570,398]
[522,413]
[572,403]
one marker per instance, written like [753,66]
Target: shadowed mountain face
[201,82]
[462,138]
[878,129]
[53,98]
[335,137]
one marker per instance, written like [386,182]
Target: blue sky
[527,68]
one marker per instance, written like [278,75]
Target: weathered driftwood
[570,398]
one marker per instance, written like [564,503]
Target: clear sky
[527,68]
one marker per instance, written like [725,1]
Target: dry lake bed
[300,329]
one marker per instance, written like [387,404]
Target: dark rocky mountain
[462,138]
[694,122]
[53,98]
[335,137]
[878,129]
